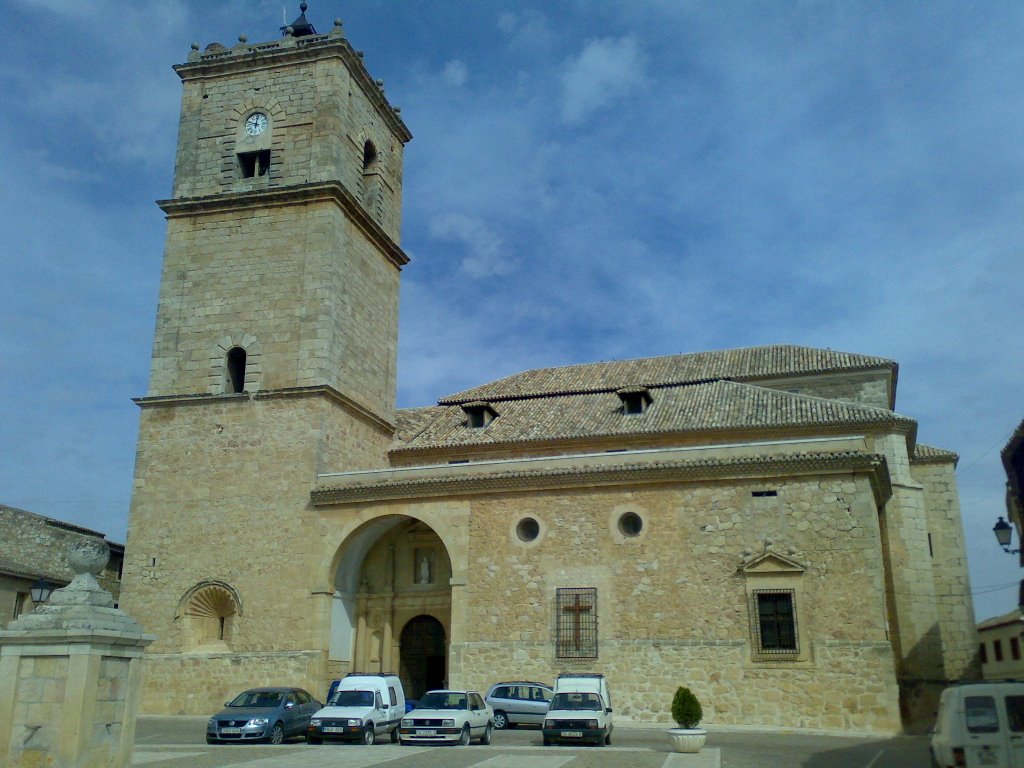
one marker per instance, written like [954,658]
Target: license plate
[573,734]
[230,730]
[423,732]
[333,729]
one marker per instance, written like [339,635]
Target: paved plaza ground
[179,742]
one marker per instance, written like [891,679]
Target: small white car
[448,717]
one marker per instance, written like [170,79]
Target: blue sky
[588,181]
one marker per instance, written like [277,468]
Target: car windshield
[576,701]
[442,700]
[257,699]
[353,699]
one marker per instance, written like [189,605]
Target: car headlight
[549,724]
[591,723]
[256,721]
[315,722]
[356,722]
[449,723]
[406,723]
[212,723]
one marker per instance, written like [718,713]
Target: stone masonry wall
[222,493]
[870,388]
[300,280]
[319,119]
[949,567]
[672,603]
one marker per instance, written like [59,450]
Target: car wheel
[277,734]
[486,738]
[464,736]
[500,720]
[394,735]
[368,736]
[315,740]
[608,738]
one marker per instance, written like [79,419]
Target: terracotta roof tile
[709,406]
[749,363]
[927,452]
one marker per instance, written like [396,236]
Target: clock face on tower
[256,124]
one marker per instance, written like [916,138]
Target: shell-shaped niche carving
[212,601]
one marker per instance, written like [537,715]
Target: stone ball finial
[303,7]
[88,556]
[243,38]
[337,22]
[289,30]
[195,46]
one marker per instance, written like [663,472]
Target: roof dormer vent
[479,414]
[635,400]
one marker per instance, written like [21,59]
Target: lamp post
[1004,534]
[40,591]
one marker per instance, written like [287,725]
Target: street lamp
[1004,533]
[41,591]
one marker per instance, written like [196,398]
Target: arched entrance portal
[424,654]
[392,603]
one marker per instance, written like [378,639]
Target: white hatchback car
[448,717]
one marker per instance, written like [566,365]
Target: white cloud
[455,73]
[485,249]
[605,71]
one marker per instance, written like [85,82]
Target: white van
[580,711]
[361,708]
[980,724]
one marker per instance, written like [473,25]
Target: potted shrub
[687,712]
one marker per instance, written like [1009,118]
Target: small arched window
[236,369]
[369,157]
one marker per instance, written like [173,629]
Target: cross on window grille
[576,627]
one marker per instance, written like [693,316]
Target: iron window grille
[775,622]
[576,623]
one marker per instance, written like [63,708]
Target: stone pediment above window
[770,563]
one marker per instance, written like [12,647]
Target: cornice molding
[300,194]
[455,480]
[270,394]
[288,51]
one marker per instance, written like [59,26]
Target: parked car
[263,714]
[580,711]
[448,717]
[518,703]
[361,708]
[980,724]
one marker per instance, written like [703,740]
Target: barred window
[775,611]
[576,623]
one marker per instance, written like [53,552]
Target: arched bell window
[369,157]
[236,370]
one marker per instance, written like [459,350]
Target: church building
[758,524]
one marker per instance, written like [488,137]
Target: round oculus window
[630,524]
[528,529]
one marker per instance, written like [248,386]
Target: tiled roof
[704,407]
[747,364]
[927,452]
[21,570]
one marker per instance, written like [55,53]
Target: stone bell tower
[275,347]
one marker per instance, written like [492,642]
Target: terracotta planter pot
[687,739]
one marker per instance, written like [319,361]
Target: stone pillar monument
[69,675]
